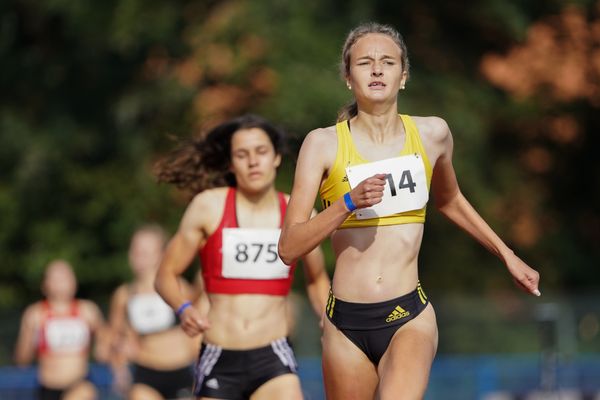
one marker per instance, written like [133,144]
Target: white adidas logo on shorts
[212,383]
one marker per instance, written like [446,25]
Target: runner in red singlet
[58,331]
[234,223]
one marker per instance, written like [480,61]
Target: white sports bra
[148,313]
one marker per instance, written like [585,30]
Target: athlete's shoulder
[121,293]
[432,128]
[88,307]
[123,290]
[210,198]
[33,312]
[320,146]
[203,209]
[322,135]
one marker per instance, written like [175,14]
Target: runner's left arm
[453,205]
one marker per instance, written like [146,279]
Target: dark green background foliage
[92,93]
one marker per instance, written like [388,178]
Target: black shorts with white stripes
[236,374]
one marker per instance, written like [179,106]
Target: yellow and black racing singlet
[336,184]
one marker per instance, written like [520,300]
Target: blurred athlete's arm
[99,329]
[180,252]
[26,342]
[119,345]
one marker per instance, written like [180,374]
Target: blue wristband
[182,308]
[348,201]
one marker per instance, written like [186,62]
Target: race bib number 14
[252,254]
[405,187]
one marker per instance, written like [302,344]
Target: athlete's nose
[377,71]
[252,159]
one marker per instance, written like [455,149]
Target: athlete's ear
[403,80]
[277,160]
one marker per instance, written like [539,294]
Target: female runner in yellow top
[373,170]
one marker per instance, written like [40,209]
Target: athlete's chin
[255,186]
[66,295]
[379,97]
[144,269]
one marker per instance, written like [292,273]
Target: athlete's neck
[59,304]
[258,211]
[256,200]
[383,108]
[145,281]
[378,128]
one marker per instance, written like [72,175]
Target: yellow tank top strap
[344,139]
[415,145]
[335,185]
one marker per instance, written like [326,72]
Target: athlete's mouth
[377,84]
[255,174]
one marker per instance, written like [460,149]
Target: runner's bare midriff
[377,263]
[246,321]
[60,371]
[157,351]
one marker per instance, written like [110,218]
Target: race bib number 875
[405,187]
[252,254]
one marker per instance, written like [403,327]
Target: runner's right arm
[178,256]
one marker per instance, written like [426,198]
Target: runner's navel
[379,279]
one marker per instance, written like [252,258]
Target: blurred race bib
[67,335]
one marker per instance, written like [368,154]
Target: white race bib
[252,254]
[67,335]
[405,188]
[148,313]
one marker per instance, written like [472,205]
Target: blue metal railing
[453,377]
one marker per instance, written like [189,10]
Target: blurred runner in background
[145,331]
[234,223]
[58,331]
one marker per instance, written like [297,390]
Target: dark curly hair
[203,163]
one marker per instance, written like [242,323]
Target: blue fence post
[487,376]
